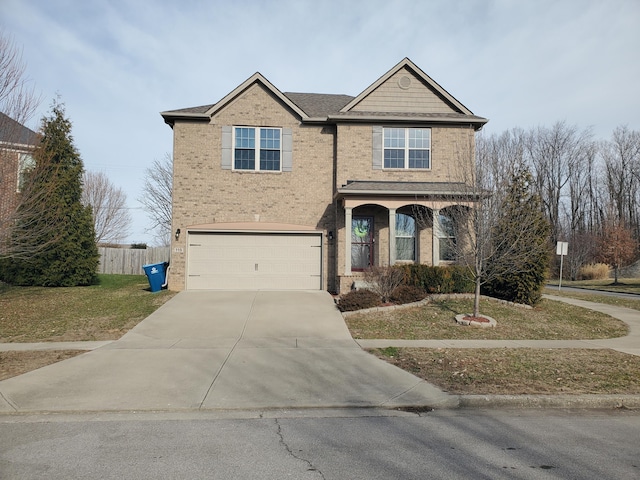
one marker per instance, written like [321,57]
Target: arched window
[405,237]
[446,237]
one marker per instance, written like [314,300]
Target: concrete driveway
[225,350]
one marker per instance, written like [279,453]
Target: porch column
[347,240]
[392,236]
[435,240]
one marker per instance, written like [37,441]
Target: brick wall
[8,183]
[205,193]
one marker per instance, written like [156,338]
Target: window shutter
[287,150]
[377,148]
[227,150]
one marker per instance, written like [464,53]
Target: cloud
[117,64]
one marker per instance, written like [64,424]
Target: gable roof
[426,79]
[15,133]
[330,108]
[205,112]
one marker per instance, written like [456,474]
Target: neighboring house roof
[15,133]
[329,108]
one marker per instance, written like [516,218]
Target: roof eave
[171,117]
[477,122]
[395,193]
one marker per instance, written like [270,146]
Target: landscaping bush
[407,294]
[445,279]
[383,280]
[358,300]
[594,271]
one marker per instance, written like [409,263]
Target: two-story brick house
[276,190]
[17,143]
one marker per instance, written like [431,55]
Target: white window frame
[406,148]
[401,235]
[446,237]
[26,163]
[256,148]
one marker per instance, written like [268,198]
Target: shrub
[462,281]
[407,294]
[383,280]
[594,271]
[445,279]
[357,300]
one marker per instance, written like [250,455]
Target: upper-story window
[257,149]
[407,148]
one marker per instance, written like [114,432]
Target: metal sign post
[561,249]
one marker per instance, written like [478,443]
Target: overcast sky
[117,63]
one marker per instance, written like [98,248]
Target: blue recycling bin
[156,273]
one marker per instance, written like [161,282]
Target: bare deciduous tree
[156,197]
[111,219]
[17,96]
[621,158]
[491,242]
[25,202]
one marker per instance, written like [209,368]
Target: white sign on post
[562,248]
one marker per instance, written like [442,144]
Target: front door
[361,243]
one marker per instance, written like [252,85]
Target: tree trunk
[476,299]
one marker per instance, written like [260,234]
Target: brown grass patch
[16,363]
[521,371]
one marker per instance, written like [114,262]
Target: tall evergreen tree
[523,232]
[71,255]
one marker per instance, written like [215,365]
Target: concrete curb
[550,401]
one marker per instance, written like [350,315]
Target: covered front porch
[387,223]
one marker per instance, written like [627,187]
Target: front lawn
[99,312]
[551,320]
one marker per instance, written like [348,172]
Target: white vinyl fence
[129,261]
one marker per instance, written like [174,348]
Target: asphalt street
[324,444]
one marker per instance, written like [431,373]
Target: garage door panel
[254,261]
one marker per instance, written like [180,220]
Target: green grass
[98,312]
[551,320]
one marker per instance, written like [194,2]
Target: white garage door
[254,261]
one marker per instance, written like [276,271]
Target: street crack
[310,466]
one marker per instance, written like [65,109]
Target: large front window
[257,149]
[405,237]
[407,148]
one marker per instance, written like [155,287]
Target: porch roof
[385,188]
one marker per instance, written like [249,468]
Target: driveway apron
[225,350]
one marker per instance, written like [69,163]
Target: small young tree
[616,247]
[111,219]
[383,280]
[65,226]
